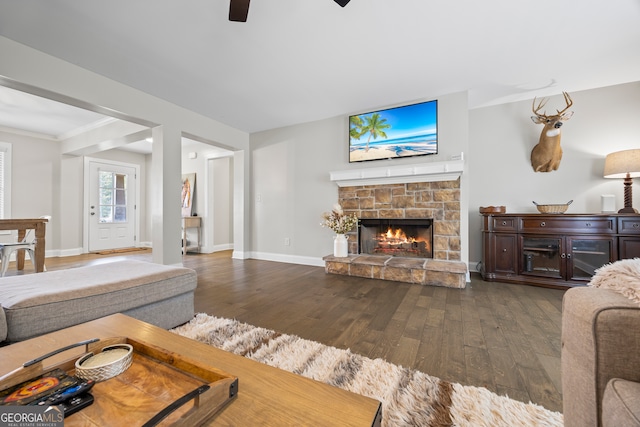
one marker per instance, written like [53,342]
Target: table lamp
[624,164]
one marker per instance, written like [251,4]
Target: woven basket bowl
[106,364]
[553,209]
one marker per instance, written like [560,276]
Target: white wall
[35,180]
[222,203]
[291,187]
[502,137]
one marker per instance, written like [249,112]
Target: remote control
[67,393]
[76,403]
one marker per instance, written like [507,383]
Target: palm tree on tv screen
[375,127]
[355,127]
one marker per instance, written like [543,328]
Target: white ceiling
[295,61]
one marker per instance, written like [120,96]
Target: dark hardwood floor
[500,336]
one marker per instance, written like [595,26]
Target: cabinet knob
[505,223]
[542,224]
[635,225]
[588,224]
[504,250]
[563,256]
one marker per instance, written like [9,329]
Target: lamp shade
[621,163]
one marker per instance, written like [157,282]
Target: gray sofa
[36,304]
[600,358]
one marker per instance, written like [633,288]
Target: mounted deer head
[546,155]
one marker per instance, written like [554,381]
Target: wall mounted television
[406,131]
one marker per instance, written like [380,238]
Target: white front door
[112,204]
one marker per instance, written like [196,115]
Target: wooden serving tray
[156,380]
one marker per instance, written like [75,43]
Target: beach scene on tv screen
[406,131]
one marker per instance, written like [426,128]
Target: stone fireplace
[428,193]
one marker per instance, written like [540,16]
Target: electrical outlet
[287,241]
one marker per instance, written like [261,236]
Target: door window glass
[113,197]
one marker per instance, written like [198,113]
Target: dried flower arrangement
[338,221]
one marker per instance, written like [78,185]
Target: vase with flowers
[341,224]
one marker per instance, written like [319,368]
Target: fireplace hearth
[396,237]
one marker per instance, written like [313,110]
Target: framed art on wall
[188,192]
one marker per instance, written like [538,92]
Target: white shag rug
[409,397]
[621,276]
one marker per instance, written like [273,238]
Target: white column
[241,205]
[166,176]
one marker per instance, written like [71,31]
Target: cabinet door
[506,254]
[629,247]
[587,254]
[543,256]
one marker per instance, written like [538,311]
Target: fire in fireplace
[397,237]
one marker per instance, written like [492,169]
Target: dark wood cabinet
[559,250]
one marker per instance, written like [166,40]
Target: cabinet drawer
[629,225]
[503,224]
[557,224]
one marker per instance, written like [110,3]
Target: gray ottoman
[37,304]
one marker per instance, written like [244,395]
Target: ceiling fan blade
[238,10]
[342,3]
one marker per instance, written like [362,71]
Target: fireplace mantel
[401,174]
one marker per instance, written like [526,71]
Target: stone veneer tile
[406,262]
[424,196]
[361,270]
[440,243]
[391,213]
[454,243]
[349,203]
[369,214]
[418,276]
[383,195]
[347,260]
[443,278]
[452,206]
[418,213]
[445,196]
[400,202]
[398,274]
[451,215]
[336,268]
[451,267]
[364,192]
[416,186]
[367,202]
[446,228]
[453,255]
[370,260]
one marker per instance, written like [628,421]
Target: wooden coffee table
[267,395]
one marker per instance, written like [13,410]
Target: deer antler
[542,103]
[568,101]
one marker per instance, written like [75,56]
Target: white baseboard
[64,252]
[216,248]
[291,259]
